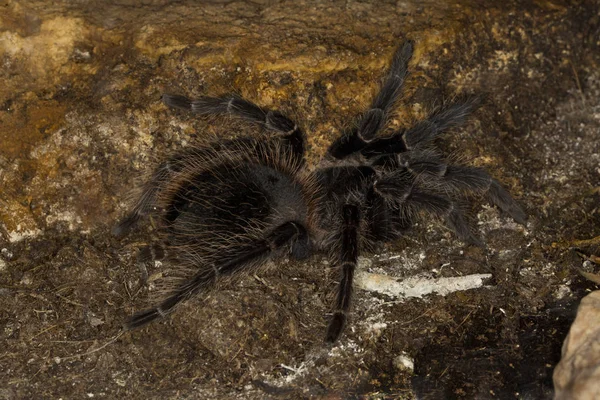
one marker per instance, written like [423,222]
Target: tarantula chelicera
[231,205]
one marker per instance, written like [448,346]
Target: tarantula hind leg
[150,192]
[236,259]
[348,259]
[238,107]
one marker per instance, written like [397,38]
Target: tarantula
[232,204]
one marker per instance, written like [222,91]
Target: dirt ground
[82,123]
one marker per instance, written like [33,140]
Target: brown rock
[577,376]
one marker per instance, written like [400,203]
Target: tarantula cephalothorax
[229,206]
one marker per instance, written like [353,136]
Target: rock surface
[82,120]
[577,376]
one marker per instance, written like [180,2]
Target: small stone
[562,291]
[7,254]
[577,375]
[95,321]
[404,363]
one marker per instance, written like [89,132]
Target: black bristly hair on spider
[230,205]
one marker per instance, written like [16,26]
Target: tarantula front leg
[422,133]
[348,237]
[479,181]
[374,119]
[236,259]
[238,107]
[462,178]
[399,190]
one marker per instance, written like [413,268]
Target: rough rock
[577,376]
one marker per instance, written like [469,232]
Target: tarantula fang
[229,205]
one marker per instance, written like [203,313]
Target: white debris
[6,253]
[404,363]
[19,234]
[562,291]
[377,326]
[417,286]
[296,372]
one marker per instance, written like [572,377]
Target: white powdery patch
[404,362]
[18,234]
[73,220]
[342,350]
[374,323]
[295,373]
[417,286]
[377,326]
[344,347]
[408,259]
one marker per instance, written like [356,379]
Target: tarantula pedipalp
[232,204]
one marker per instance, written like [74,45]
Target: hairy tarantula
[231,205]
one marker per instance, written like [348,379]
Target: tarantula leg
[237,107]
[385,146]
[477,180]
[235,260]
[455,218]
[374,119]
[448,117]
[384,223]
[392,85]
[147,200]
[381,150]
[348,260]
[423,132]
[501,198]
[409,199]
[377,216]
